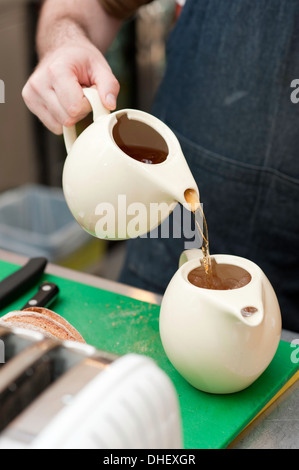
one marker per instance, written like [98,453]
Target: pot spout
[191,197]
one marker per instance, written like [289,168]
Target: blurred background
[34,218]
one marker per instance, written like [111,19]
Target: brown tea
[192,199]
[144,154]
[139,140]
[224,277]
[210,275]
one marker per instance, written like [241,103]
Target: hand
[54,91]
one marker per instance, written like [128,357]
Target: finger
[37,106]
[107,86]
[71,97]
[50,122]
[50,100]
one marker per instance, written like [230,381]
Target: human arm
[72,37]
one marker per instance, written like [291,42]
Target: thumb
[108,88]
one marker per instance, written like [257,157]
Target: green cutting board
[123,325]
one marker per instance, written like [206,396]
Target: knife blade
[23,279]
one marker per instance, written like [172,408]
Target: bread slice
[44,321]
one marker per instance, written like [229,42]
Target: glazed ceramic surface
[99,176]
[205,336]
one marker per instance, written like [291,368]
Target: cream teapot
[208,335]
[111,194]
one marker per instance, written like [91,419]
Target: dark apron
[226,95]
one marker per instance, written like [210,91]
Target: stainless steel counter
[276,428]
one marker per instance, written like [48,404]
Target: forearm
[70,21]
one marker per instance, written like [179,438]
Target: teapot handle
[92,95]
[187,255]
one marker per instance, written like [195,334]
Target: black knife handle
[46,294]
[20,281]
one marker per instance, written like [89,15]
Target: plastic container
[35,221]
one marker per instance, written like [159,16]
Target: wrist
[64,33]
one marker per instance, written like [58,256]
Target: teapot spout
[191,197]
[188,197]
[249,313]
[248,305]
[177,182]
[253,314]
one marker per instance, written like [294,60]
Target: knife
[17,283]
[46,294]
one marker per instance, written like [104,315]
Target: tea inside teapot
[224,276]
[139,140]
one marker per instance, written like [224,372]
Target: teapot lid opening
[138,140]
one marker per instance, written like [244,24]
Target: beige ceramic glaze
[206,337]
[97,171]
